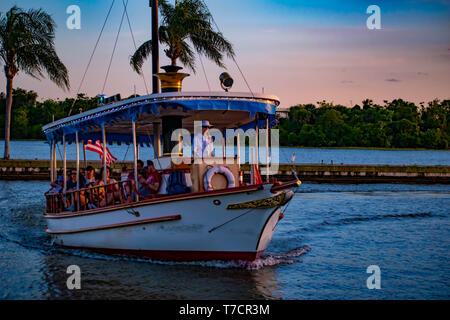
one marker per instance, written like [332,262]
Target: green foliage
[29,115]
[186,28]
[27,44]
[397,124]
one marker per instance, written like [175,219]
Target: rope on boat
[90,59]
[204,72]
[114,49]
[219,226]
[233,58]
[134,42]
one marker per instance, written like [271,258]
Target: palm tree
[186,27]
[27,45]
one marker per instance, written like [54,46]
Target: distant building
[282,113]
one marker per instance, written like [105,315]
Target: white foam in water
[263,261]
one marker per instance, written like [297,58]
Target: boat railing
[92,197]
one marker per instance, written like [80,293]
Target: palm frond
[186,29]
[27,43]
[138,58]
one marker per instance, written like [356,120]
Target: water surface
[320,250]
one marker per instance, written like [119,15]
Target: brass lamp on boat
[171,80]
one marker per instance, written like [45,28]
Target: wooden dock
[317,173]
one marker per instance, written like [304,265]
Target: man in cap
[203,144]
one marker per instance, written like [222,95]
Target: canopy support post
[267,150]
[238,147]
[51,162]
[104,153]
[156,140]
[133,127]
[64,164]
[78,160]
[84,157]
[55,164]
[78,170]
[257,142]
[138,150]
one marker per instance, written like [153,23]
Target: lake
[320,250]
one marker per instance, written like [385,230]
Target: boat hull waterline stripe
[177,255]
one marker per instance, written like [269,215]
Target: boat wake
[268,260]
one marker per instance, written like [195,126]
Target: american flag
[98,148]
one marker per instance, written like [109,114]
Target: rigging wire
[92,55]
[126,154]
[204,72]
[134,41]
[114,49]
[233,58]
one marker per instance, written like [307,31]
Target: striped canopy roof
[223,109]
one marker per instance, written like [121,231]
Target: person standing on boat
[203,144]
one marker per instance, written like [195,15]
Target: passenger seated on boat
[124,174]
[112,189]
[140,166]
[130,194]
[56,186]
[72,182]
[90,176]
[97,194]
[72,186]
[150,181]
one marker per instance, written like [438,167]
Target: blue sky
[301,51]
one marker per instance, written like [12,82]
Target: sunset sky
[300,51]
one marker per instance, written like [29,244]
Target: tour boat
[219,217]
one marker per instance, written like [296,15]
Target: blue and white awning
[224,110]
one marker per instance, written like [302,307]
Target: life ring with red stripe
[218,170]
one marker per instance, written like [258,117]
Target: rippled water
[320,250]
[41,150]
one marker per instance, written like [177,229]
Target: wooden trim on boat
[178,197]
[286,185]
[117,225]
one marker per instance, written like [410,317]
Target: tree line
[396,124]
[30,115]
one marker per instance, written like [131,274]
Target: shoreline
[318,173]
[296,147]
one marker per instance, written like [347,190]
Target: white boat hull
[188,229]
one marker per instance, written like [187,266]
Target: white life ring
[221,170]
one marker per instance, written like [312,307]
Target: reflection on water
[105,279]
[320,250]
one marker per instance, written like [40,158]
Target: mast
[155,45]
